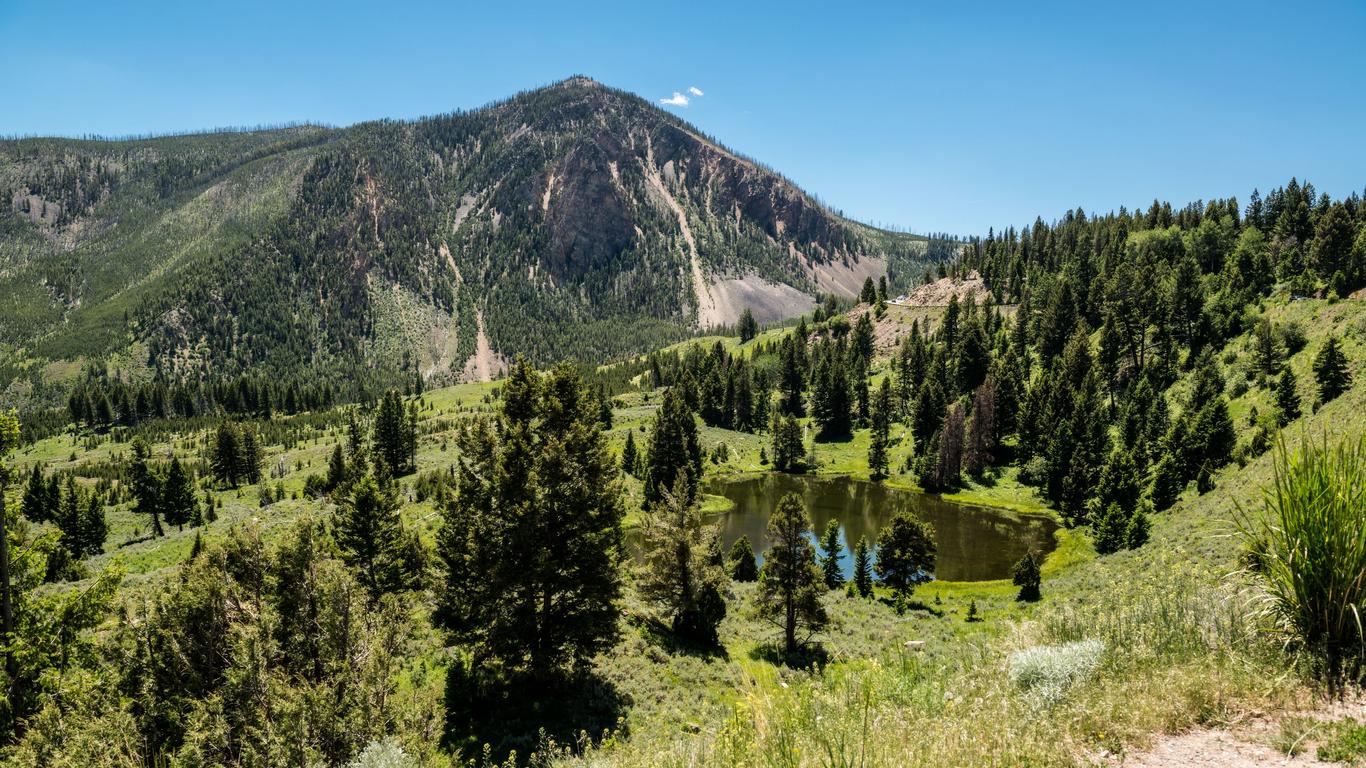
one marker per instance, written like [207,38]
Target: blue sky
[913,114]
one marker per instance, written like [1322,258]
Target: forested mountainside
[570,221]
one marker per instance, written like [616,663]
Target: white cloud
[694,90]
[677,100]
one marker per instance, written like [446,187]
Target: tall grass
[1309,549]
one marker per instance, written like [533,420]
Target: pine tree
[1168,481]
[1109,529]
[792,373]
[1266,352]
[225,458]
[863,568]
[674,450]
[878,460]
[869,293]
[677,573]
[371,537]
[748,327]
[743,567]
[1287,398]
[147,487]
[787,443]
[833,554]
[178,501]
[250,457]
[1026,575]
[1136,530]
[35,506]
[1330,370]
[336,469]
[394,436]
[629,455]
[532,540]
[790,584]
[906,554]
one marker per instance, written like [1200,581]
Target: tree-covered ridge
[552,220]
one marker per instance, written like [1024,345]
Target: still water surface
[975,543]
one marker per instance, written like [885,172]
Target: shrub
[1034,472]
[1046,673]
[385,753]
[1310,550]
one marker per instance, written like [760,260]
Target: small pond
[975,543]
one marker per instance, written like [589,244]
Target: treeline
[101,400]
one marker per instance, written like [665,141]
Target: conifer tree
[1026,575]
[147,487]
[833,553]
[748,327]
[674,450]
[35,506]
[532,541]
[1136,530]
[371,537]
[336,469]
[1330,370]
[787,443]
[225,458]
[1108,529]
[1287,398]
[869,293]
[178,499]
[863,568]
[629,455]
[1266,352]
[906,554]
[878,461]
[250,457]
[743,567]
[677,573]
[792,373]
[790,583]
[395,438]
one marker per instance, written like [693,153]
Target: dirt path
[1243,745]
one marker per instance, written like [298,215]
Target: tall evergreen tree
[787,443]
[677,573]
[395,438]
[35,506]
[790,583]
[147,487]
[863,568]
[1287,398]
[1330,370]
[178,500]
[906,554]
[630,456]
[371,537]
[743,566]
[748,327]
[674,450]
[833,553]
[532,541]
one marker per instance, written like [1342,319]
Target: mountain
[570,221]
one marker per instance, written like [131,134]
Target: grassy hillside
[1179,644]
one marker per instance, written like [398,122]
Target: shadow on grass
[805,657]
[911,605]
[528,715]
[657,633]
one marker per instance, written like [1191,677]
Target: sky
[917,115]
